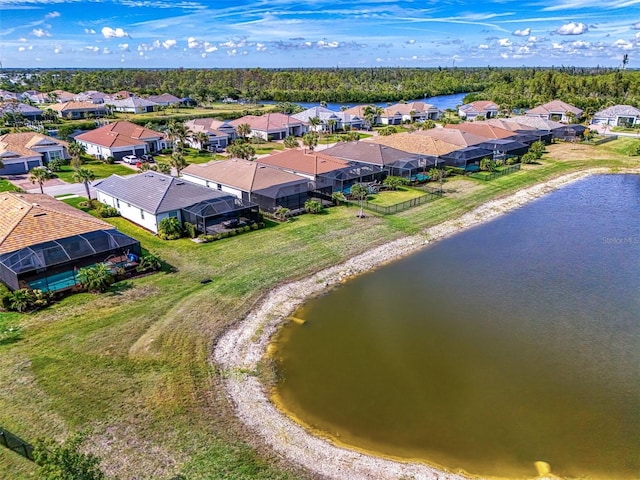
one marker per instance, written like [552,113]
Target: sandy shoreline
[241,348]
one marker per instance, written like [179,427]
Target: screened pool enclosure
[52,265]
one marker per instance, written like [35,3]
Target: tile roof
[537,122]
[479,106]
[119,134]
[618,111]
[450,135]
[482,129]
[24,143]
[368,152]
[155,192]
[310,163]
[29,219]
[164,98]
[24,108]
[416,107]
[132,102]
[268,121]
[555,106]
[75,105]
[410,142]
[243,174]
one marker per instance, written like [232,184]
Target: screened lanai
[51,265]
[342,179]
[412,168]
[208,216]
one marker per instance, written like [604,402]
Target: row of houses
[92,96]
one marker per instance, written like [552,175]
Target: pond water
[510,343]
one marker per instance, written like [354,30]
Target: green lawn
[393,197]
[99,169]
[7,186]
[132,365]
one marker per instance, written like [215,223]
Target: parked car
[130,159]
[147,158]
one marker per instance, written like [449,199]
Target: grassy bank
[132,365]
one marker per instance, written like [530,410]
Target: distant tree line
[587,88]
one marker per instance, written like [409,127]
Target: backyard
[132,366]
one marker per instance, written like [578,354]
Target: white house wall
[213,185]
[135,214]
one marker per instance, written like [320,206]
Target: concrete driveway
[53,186]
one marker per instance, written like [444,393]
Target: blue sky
[307,33]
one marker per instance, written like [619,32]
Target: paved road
[53,187]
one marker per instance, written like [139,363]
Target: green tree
[76,150]
[528,157]
[313,205]
[487,165]
[360,193]
[65,461]
[386,131]
[178,162]
[438,175]
[428,125]
[21,300]
[96,278]
[537,148]
[282,213]
[163,167]
[315,123]
[241,150]
[310,140]
[177,133]
[291,142]
[394,182]
[371,113]
[169,228]
[201,138]
[338,198]
[244,130]
[39,175]
[84,176]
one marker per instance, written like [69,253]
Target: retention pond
[514,342]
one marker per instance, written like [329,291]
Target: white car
[130,159]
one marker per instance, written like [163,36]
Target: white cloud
[411,42]
[534,39]
[522,33]
[23,40]
[89,31]
[579,44]
[325,44]
[504,55]
[572,28]
[623,44]
[92,48]
[169,43]
[57,50]
[636,26]
[208,48]
[52,15]
[483,47]
[124,47]
[40,33]
[260,47]
[22,49]
[109,32]
[557,46]
[524,50]
[505,42]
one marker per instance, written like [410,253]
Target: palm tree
[291,142]
[178,162]
[315,122]
[84,176]
[331,123]
[360,193]
[177,133]
[371,112]
[200,137]
[39,175]
[244,130]
[310,140]
[76,150]
[96,278]
[241,150]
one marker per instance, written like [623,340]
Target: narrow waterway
[514,342]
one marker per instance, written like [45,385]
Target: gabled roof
[555,106]
[618,111]
[415,107]
[24,144]
[23,108]
[410,142]
[537,122]
[210,126]
[164,98]
[155,192]
[132,102]
[310,163]
[243,174]
[482,129]
[368,152]
[357,110]
[29,219]
[268,122]
[119,134]
[62,95]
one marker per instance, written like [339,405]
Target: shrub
[149,262]
[254,226]
[106,211]
[55,165]
[528,157]
[233,233]
[5,294]
[394,182]
[190,229]
[313,206]
[169,228]
[224,234]
[109,160]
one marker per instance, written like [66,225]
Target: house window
[142,214]
[117,203]
[219,187]
[55,155]
[173,214]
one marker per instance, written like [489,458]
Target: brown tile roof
[410,142]
[243,174]
[23,143]
[119,134]
[268,121]
[310,163]
[407,108]
[482,129]
[555,106]
[29,219]
[74,105]
[456,137]
[357,110]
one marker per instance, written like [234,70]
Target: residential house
[478,109]
[264,185]
[390,116]
[147,198]
[43,242]
[7,95]
[119,139]
[567,132]
[121,95]
[329,121]
[60,96]
[272,126]
[361,112]
[24,110]
[617,116]
[92,96]
[220,133]
[164,100]
[77,110]
[556,110]
[503,143]
[523,133]
[392,161]
[415,111]
[418,144]
[38,98]
[134,105]
[20,152]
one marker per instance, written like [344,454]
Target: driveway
[53,186]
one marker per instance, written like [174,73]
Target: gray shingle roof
[618,111]
[155,192]
[372,153]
